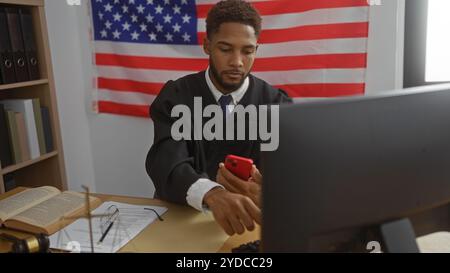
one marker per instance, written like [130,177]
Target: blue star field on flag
[145,21]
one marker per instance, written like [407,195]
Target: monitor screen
[347,166]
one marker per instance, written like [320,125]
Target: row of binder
[18,51]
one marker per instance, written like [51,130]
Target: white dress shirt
[197,191]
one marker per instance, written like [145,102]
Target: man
[184,171]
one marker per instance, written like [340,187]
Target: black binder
[26,21]
[18,50]
[7,74]
[5,149]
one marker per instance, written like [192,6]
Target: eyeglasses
[111,214]
[157,214]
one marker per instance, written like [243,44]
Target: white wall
[70,92]
[385,46]
[108,152]
[104,151]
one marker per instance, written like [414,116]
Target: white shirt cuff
[198,190]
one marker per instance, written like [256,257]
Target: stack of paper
[131,220]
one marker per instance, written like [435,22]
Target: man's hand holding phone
[236,207]
[239,166]
[250,187]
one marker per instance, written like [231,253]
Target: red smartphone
[239,166]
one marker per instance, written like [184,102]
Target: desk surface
[187,230]
[183,230]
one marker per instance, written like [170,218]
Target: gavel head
[35,244]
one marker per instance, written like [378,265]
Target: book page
[24,200]
[52,210]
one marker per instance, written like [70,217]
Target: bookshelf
[48,168]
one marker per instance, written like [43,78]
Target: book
[25,106]
[10,182]
[5,147]
[44,209]
[46,124]
[14,137]
[39,126]
[23,137]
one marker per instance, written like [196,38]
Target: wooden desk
[183,230]
[187,230]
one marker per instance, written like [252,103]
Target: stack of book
[25,131]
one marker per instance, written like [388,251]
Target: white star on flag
[167,18]
[108,7]
[176,27]
[149,18]
[186,18]
[159,27]
[152,36]
[126,26]
[117,17]
[116,34]
[108,24]
[159,9]
[186,37]
[176,9]
[169,37]
[135,35]
[143,27]
[140,9]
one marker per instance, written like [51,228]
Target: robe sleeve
[172,165]
[282,98]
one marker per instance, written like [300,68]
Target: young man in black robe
[185,171]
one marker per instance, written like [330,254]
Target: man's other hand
[234,212]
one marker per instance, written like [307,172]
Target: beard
[227,87]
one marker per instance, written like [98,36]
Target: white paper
[131,221]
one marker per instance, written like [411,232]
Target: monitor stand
[399,237]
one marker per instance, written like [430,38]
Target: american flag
[309,48]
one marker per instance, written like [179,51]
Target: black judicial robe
[173,165]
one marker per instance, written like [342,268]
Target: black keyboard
[250,247]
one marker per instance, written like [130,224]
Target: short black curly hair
[236,11]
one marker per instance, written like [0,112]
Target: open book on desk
[43,210]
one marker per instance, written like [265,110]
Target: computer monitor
[349,171]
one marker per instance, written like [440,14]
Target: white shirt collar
[236,95]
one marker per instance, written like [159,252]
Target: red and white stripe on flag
[309,48]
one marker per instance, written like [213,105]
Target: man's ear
[206,46]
